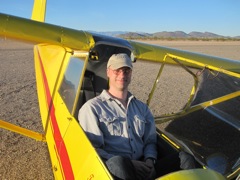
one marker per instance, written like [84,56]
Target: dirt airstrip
[24,158]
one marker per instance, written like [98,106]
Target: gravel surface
[24,158]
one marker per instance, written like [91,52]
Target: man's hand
[144,170]
[151,163]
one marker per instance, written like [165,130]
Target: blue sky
[217,16]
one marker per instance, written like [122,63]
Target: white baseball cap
[117,61]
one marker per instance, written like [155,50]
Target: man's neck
[120,95]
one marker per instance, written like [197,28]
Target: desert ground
[25,158]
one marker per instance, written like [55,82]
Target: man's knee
[120,167]
[187,161]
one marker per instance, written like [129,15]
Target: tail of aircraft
[39,10]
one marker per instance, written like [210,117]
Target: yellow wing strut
[22,131]
[39,10]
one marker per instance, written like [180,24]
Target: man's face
[119,78]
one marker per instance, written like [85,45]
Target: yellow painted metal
[52,58]
[72,155]
[80,55]
[203,105]
[39,10]
[187,109]
[155,84]
[214,101]
[149,52]
[196,174]
[84,159]
[42,70]
[194,88]
[235,174]
[38,32]
[195,85]
[204,65]
[170,141]
[22,131]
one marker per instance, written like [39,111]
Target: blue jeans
[123,168]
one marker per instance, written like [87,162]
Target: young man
[120,127]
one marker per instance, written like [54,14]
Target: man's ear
[107,72]
[108,83]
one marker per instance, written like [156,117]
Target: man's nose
[122,72]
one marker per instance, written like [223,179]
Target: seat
[87,90]
[87,87]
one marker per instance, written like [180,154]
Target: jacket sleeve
[150,136]
[89,121]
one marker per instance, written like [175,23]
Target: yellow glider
[67,61]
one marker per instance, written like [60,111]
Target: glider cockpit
[94,79]
[70,68]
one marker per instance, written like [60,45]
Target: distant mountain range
[167,34]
